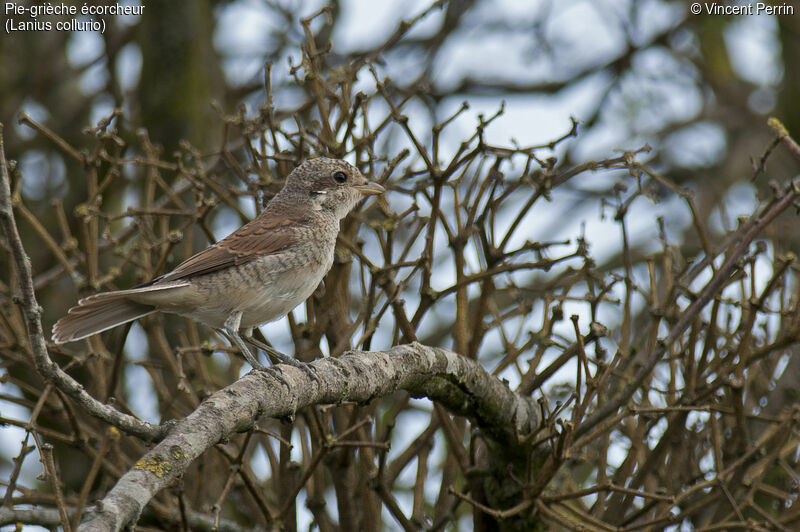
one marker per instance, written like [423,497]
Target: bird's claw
[285,359]
[307,368]
[274,373]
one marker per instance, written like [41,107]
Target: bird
[255,275]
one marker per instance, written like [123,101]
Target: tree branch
[460,384]
[32,314]
[50,518]
[735,252]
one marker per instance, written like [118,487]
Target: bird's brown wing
[264,235]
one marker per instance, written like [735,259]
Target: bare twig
[32,314]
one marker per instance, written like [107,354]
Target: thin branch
[709,291]
[32,313]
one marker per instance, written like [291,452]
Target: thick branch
[50,518]
[460,384]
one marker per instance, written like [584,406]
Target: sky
[585,34]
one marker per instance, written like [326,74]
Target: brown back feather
[271,232]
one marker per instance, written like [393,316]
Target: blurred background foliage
[186,79]
[697,87]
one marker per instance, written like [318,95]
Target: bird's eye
[340,177]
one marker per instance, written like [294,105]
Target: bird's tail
[96,314]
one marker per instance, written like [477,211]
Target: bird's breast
[275,289]
[263,289]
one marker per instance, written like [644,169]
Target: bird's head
[330,185]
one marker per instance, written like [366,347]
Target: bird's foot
[273,372]
[307,368]
[276,374]
[285,359]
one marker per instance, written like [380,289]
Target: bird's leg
[284,359]
[232,328]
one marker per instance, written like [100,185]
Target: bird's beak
[370,188]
